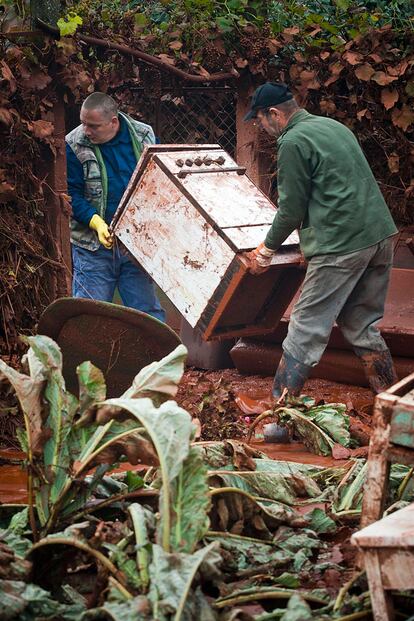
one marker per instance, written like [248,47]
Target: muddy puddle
[225,402]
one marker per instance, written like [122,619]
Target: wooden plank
[393,531]
[391,562]
[381,601]
[378,466]
[402,426]
[172,241]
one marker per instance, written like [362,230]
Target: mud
[224,403]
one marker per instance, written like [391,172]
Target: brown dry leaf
[175,45]
[8,76]
[399,69]
[315,31]
[166,59]
[324,55]
[291,31]
[365,112]
[5,116]
[299,57]
[326,106]
[389,98]
[376,58]
[42,129]
[7,192]
[37,81]
[364,72]
[274,45]
[382,78]
[353,58]
[308,79]
[403,118]
[335,69]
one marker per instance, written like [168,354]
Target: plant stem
[139,493]
[141,537]
[404,483]
[344,590]
[272,594]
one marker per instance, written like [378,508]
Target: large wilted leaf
[92,387]
[313,437]
[289,487]
[29,392]
[170,429]
[159,380]
[332,419]
[172,576]
[26,602]
[228,454]
[349,493]
[62,408]
[191,503]
[320,427]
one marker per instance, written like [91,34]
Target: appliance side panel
[172,241]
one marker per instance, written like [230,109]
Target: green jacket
[326,190]
[96,182]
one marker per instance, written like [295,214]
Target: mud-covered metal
[187,216]
[120,341]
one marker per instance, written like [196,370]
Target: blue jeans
[97,274]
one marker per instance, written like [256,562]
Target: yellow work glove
[260,258]
[100,226]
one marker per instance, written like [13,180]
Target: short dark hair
[103,102]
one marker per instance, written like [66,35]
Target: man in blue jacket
[102,154]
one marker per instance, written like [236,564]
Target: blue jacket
[120,161]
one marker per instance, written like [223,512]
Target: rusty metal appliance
[188,215]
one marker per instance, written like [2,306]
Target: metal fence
[195,115]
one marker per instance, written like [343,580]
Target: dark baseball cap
[266,96]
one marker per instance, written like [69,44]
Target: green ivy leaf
[68,25]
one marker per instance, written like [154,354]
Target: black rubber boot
[379,370]
[291,374]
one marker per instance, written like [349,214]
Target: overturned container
[188,215]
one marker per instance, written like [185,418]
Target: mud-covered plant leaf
[170,429]
[288,488]
[29,393]
[348,495]
[62,407]
[159,380]
[172,578]
[191,503]
[125,564]
[333,420]
[297,609]
[92,387]
[313,437]
[25,602]
[321,523]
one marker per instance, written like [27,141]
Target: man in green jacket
[326,189]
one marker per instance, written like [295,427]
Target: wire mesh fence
[194,116]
